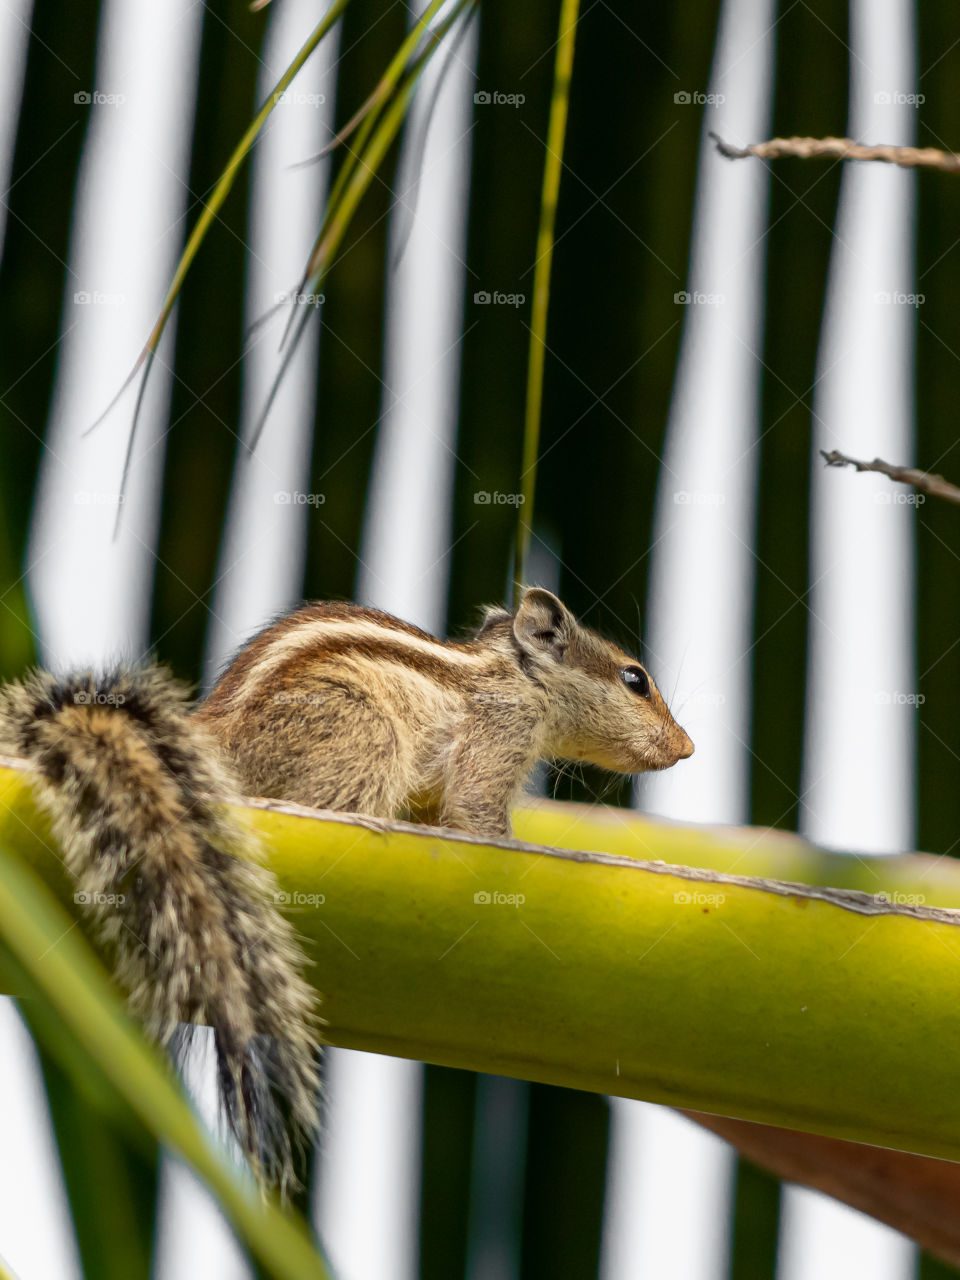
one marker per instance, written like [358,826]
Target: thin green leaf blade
[42,939]
[552,169]
[111,1181]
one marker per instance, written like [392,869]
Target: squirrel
[341,707]
[333,706]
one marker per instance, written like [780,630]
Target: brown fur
[347,708]
[333,706]
[173,890]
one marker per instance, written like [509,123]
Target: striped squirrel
[334,706]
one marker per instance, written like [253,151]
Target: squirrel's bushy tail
[137,796]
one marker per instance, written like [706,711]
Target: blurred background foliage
[628,183]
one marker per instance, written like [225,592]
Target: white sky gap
[405,564]
[859,734]
[15,16]
[36,1234]
[371,1167]
[664,1173]
[91,594]
[264,546]
[261,563]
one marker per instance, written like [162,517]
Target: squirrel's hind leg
[329,747]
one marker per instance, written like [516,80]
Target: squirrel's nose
[686,746]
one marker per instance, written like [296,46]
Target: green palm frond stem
[793,1004]
[552,167]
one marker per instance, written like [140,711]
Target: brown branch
[923,481]
[843,149]
[915,1194]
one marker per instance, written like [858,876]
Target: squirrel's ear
[543,624]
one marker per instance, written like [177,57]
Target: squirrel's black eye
[637,680]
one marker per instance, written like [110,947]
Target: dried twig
[923,481]
[843,149]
